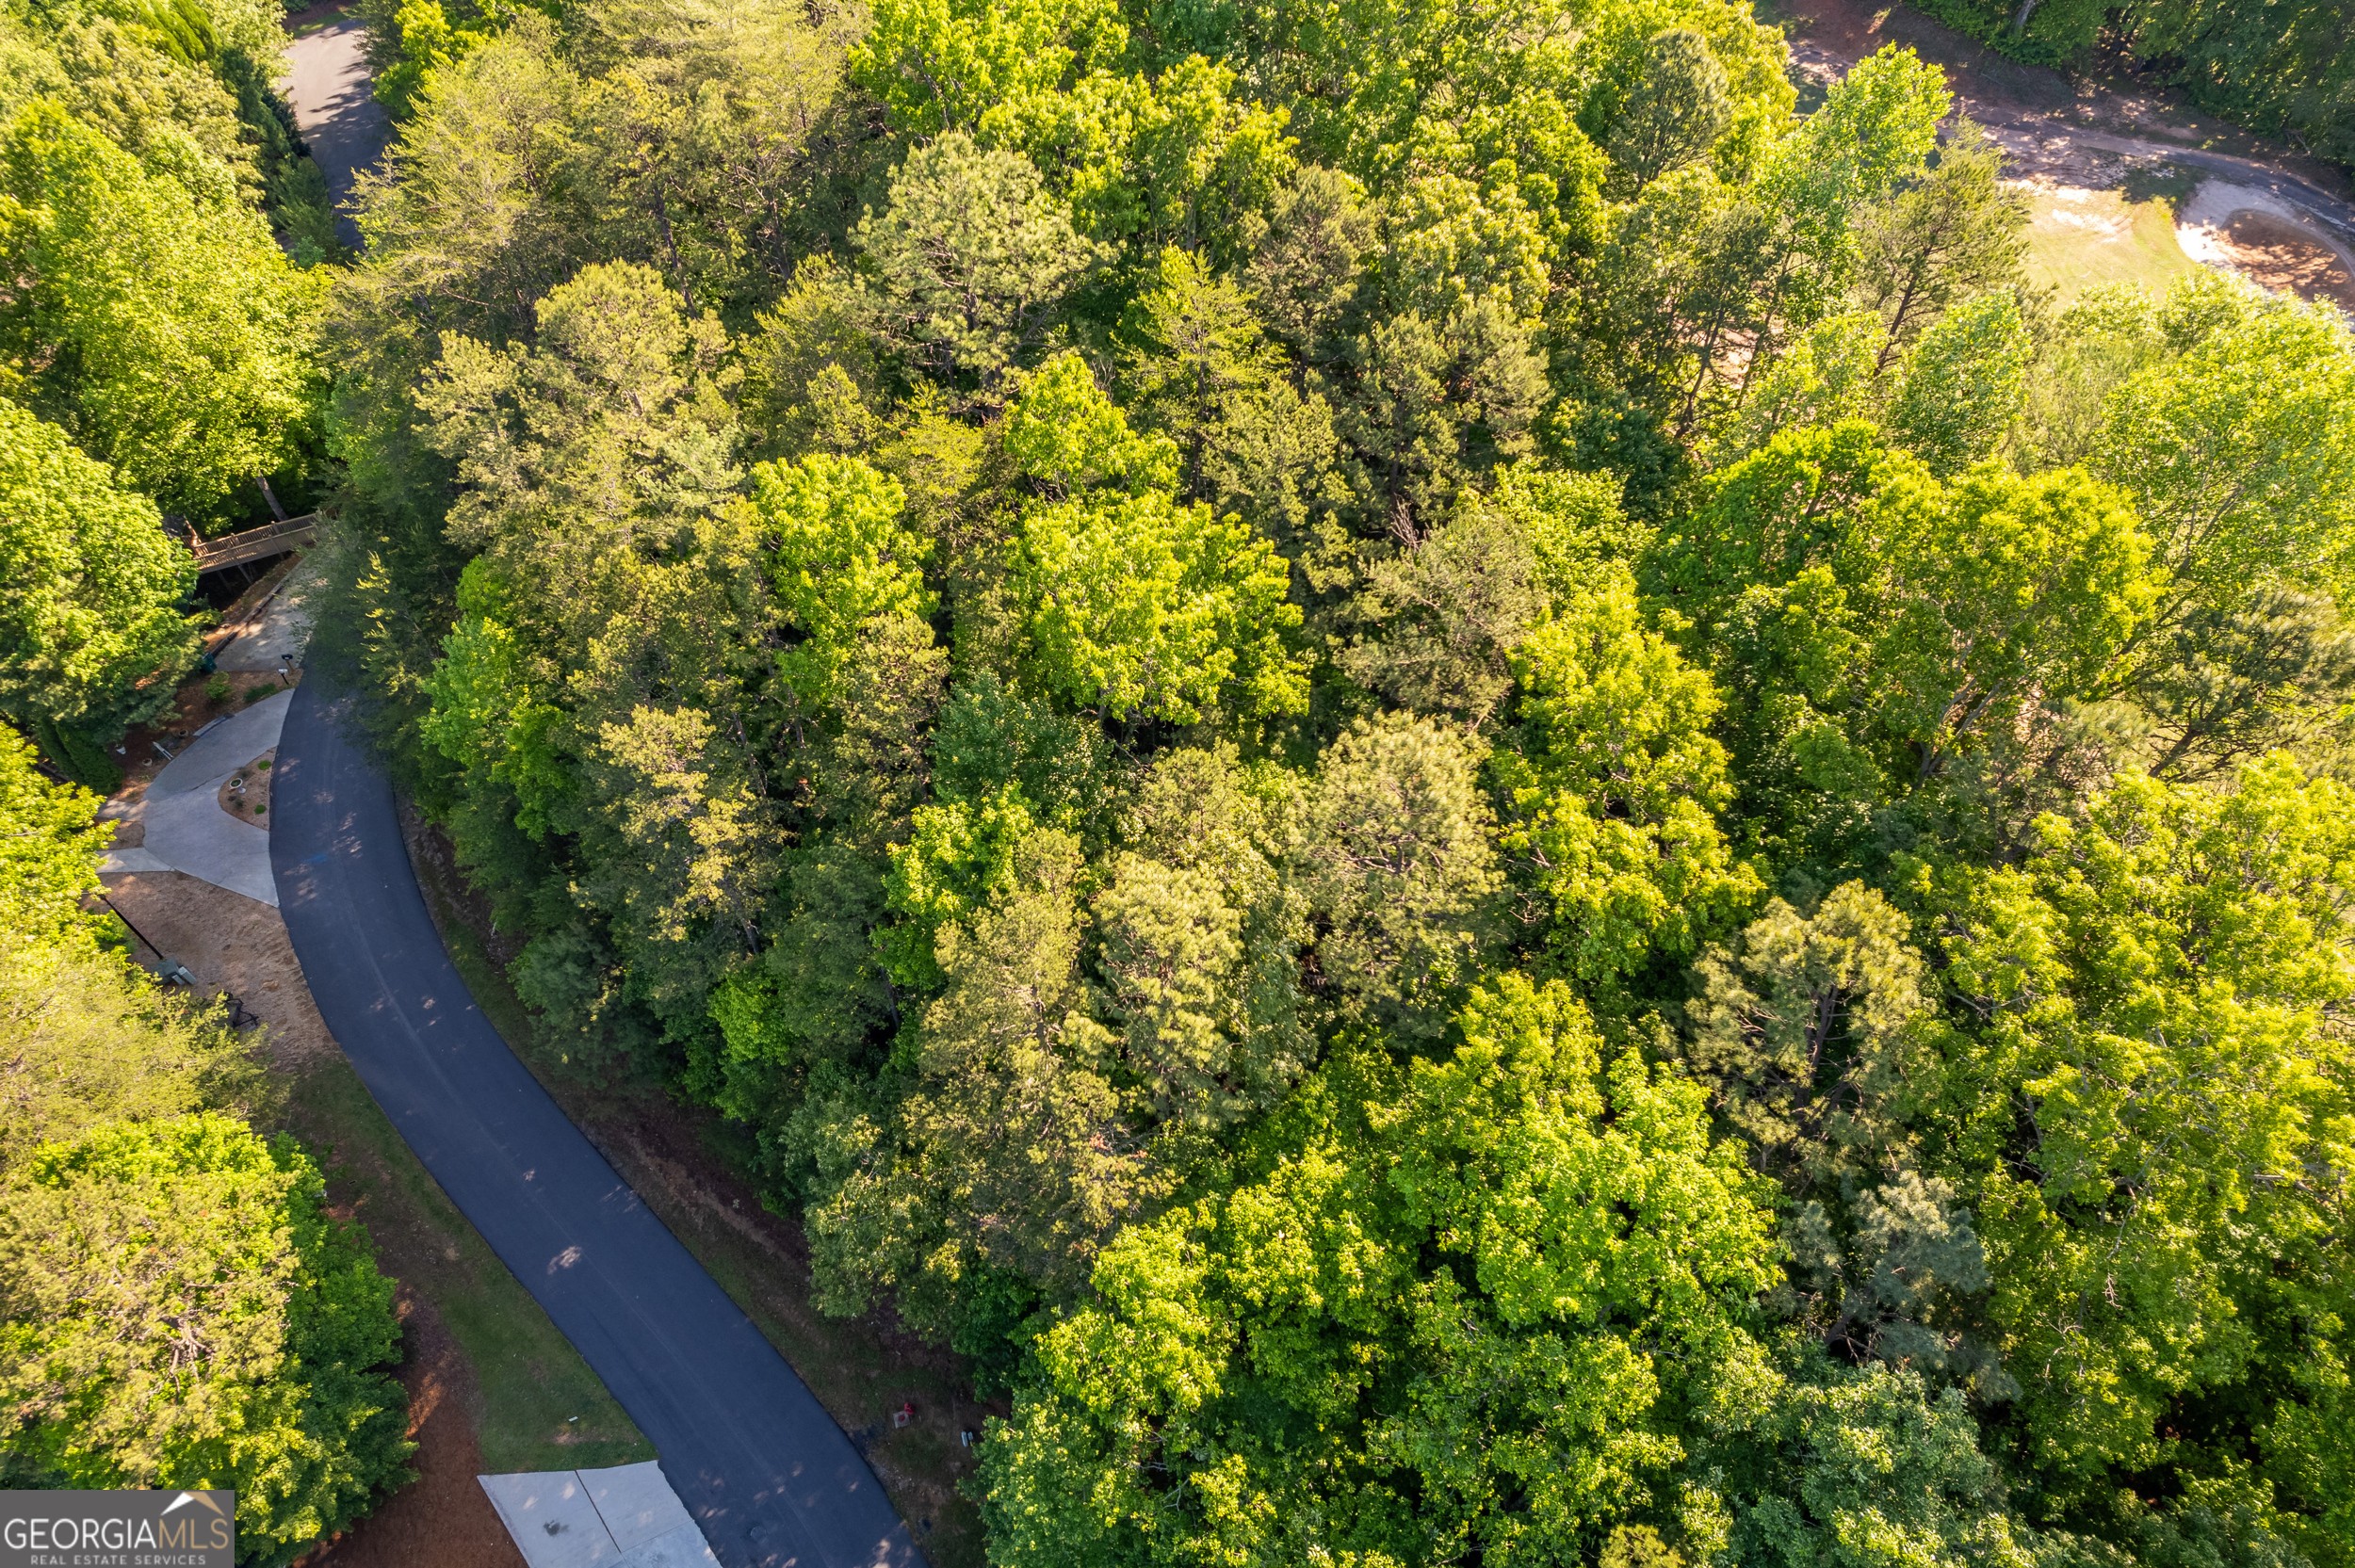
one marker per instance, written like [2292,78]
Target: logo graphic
[118,1529]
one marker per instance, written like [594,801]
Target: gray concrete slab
[326,86]
[760,1465]
[190,832]
[683,1548]
[224,745]
[553,1523]
[180,815]
[284,628]
[631,1519]
[636,1503]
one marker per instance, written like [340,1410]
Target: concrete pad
[636,1503]
[626,1516]
[553,1523]
[187,831]
[181,823]
[683,1548]
[180,815]
[283,631]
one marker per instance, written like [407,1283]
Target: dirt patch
[231,943]
[245,794]
[145,747]
[2098,127]
[2273,252]
[442,1518]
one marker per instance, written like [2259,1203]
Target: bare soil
[245,794]
[230,944]
[2097,128]
[2274,253]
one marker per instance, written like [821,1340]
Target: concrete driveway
[185,829]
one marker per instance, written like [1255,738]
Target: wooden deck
[271,539]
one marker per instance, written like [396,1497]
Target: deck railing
[271,539]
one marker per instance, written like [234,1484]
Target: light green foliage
[1065,433]
[169,339]
[1491,1277]
[179,1310]
[91,633]
[1147,606]
[940,67]
[2009,590]
[607,427]
[1136,604]
[1175,158]
[2153,984]
[1615,786]
[2238,448]
[50,841]
[1882,633]
[843,561]
[93,1040]
[1962,385]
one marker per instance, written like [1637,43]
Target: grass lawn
[538,1406]
[680,1163]
[2078,238]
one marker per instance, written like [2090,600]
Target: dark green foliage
[2281,67]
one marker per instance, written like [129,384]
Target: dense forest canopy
[1464,789]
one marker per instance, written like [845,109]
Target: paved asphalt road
[327,87]
[766,1472]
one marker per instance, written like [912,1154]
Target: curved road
[766,1472]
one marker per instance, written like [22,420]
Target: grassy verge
[681,1164]
[536,1404]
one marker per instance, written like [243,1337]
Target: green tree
[180,1310]
[93,636]
[50,841]
[1616,786]
[1397,872]
[93,1040]
[971,260]
[171,340]
[2149,1123]
[1465,1309]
